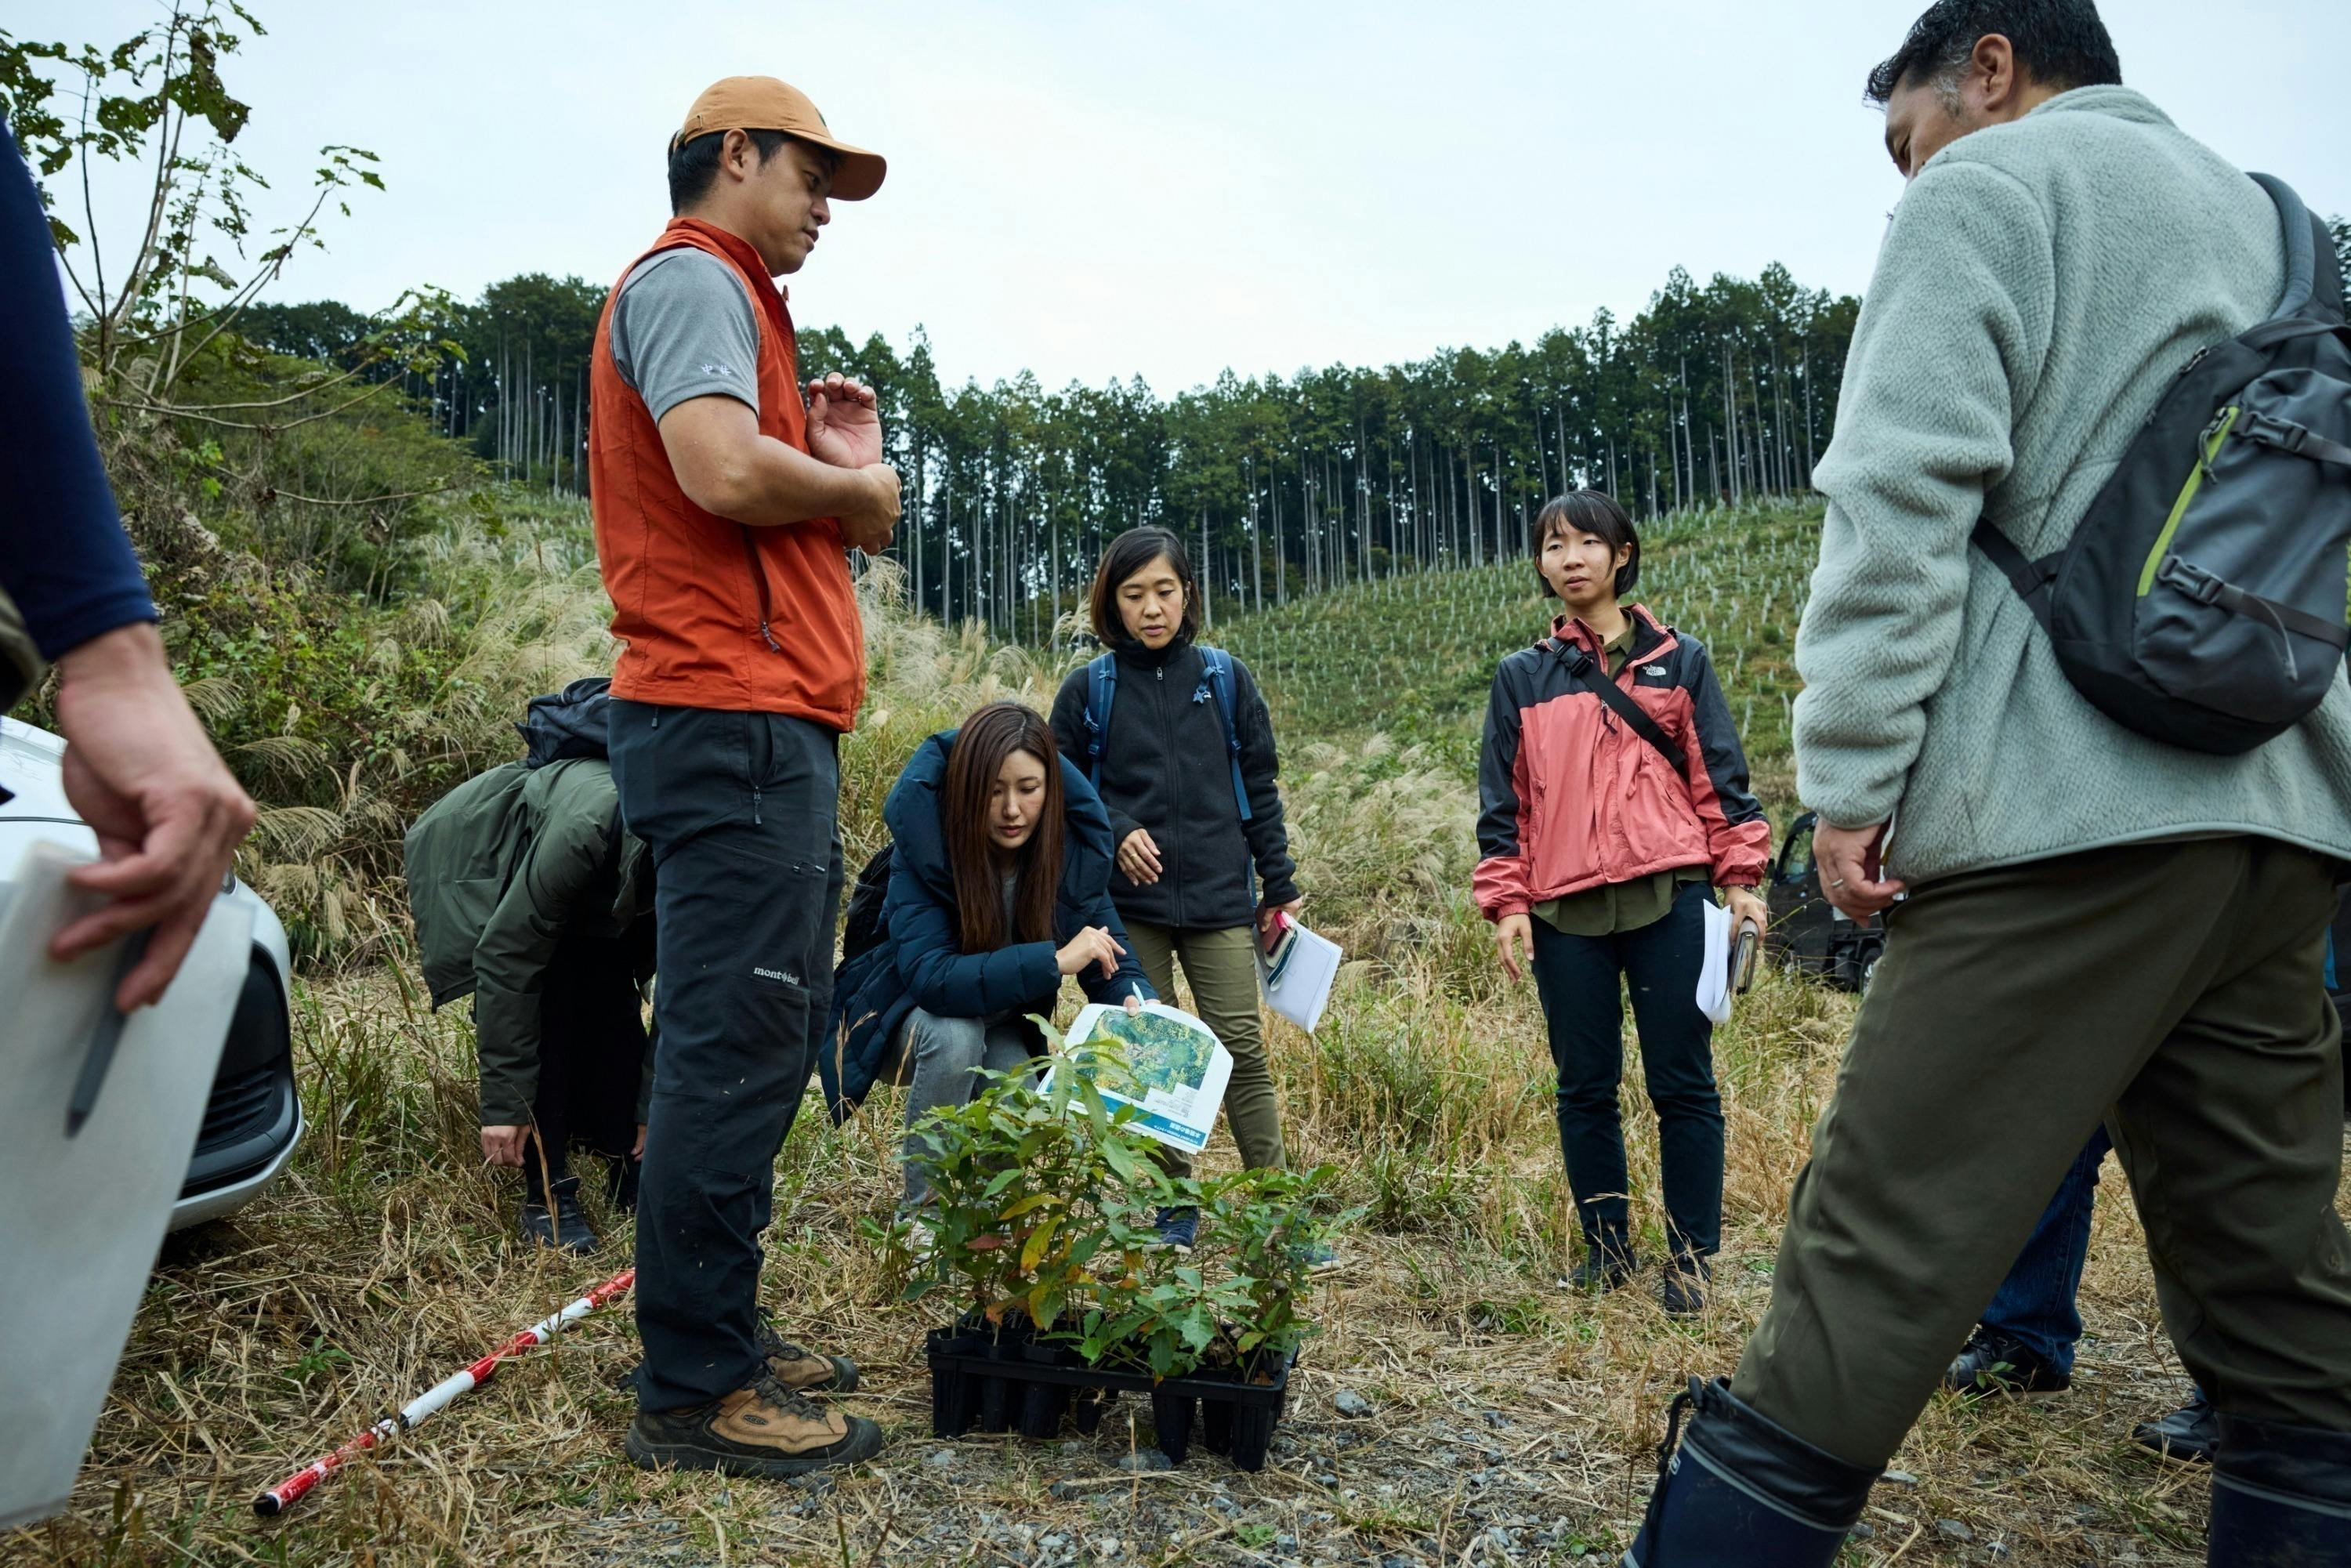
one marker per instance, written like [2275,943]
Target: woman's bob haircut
[1590,512]
[1128,554]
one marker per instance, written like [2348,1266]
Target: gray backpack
[2203,598]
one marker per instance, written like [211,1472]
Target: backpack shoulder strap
[1219,666]
[1584,672]
[2302,248]
[1101,686]
[2032,579]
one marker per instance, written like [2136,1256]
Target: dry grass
[1501,1403]
[1511,1422]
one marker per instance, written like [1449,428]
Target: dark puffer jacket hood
[917,963]
[568,723]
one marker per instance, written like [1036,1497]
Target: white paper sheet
[84,1216]
[1177,1107]
[1304,988]
[1714,969]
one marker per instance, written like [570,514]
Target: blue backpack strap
[1101,686]
[1219,682]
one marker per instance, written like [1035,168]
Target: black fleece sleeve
[1269,838]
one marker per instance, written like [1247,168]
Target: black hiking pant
[1581,981]
[2172,991]
[591,1055]
[740,811]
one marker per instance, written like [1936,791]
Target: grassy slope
[384,1260]
[1412,656]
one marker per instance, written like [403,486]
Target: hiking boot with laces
[764,1432]
[1178,1228]
[1999,1362]
[805,1371]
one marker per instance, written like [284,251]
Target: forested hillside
[1714,393]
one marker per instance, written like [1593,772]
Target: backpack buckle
[2268,430]
[2192,579]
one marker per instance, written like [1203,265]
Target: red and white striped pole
[285,1494]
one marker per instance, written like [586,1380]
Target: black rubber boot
[2281,1497]
[1742,1491]
[1608,1262]
[560,1224]
[2186,1435]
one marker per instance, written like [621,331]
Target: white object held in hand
[1297,973]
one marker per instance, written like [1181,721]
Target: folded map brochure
[1175,1072]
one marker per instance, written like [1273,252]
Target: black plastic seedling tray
[999,1384]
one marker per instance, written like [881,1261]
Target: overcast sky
[1103,189]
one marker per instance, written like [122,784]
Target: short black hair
[2061,42]
[1128,554]
[694,165]
[1594,512]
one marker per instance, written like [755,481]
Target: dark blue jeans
[1579,979]
[2035,1302]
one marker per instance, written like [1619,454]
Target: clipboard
[85,1214]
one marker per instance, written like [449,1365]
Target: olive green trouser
[2173,990]
[1221,968]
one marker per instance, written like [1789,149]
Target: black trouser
[1577,977]
[740,811]
[591,1053]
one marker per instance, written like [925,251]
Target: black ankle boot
[2281,1497]
[1742,1491]
[560,1224]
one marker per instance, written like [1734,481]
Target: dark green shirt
[1618,906]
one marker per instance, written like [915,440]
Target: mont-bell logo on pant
[787,978]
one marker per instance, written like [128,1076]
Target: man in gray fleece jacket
[2092,925]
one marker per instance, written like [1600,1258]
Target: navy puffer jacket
[918,963]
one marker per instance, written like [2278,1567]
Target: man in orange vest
[726,497]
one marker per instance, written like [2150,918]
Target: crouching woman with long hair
[999,888]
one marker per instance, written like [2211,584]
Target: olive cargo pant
[1221,968]
[2171,989]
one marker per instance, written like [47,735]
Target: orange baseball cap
[763,103]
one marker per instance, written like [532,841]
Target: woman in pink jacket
[1614,792]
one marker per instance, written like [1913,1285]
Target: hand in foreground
[1133,1004]
[1847,860]
[872,525]
[1265,919]
[1093,946]
[167,814]
[505,1145]
[1745,905]
[844,425]
[1514,944]
[1138,858]
[637,1150]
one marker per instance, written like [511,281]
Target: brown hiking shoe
[764,1431]
[805,1371]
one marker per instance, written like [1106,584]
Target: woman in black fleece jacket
[1195,882]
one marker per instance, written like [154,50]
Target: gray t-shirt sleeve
[683,329]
